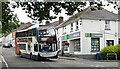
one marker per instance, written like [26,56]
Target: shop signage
[87,34]
[74,35]
[96,35]
[65,37]
[93,35]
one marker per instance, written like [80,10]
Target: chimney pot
[60,19]
[47,22]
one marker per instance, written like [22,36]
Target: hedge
[110,49]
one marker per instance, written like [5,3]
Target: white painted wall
[119,29]
[97,26]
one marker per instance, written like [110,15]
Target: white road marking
[82,63]
[4,61]
[97,66]
[102,66]
[42,62]
[91,65]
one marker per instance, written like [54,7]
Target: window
[40,48]
[29,46]
[95,44]
[64,30]
[30,39]
[77,45]
[30,33]
[107,24]
[35,47]
[34,32]
[22,46]
[65,45]
[77,25]
[26,33]
[17,34]
[71,27]
[109,42]
[119,40]
[21,34]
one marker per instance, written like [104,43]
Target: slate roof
[88,14]
[54,23]
[23,26]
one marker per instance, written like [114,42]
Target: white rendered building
[88,32]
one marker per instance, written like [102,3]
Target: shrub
[108,49]
[118,48]
[118,52]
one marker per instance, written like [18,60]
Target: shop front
[75,43]
[65,43]
[95,41]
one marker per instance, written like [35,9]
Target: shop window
[77,45]
[95,44]
[65,45]
[109,42]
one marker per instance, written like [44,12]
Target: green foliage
[118,48]
[0,29]
[118,53]
[41,10]
[9,21]
[109,49]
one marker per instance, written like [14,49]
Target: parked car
[6,45]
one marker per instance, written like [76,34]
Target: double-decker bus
[37,43]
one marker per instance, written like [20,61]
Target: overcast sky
[23,16]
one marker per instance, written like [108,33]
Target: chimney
[47,22]
[60,19]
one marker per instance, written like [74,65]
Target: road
[13,61]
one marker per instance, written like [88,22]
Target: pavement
[68,58]
[76,58]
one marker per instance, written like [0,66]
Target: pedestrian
[62,51]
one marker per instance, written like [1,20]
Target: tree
[41,10]
[9,21]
